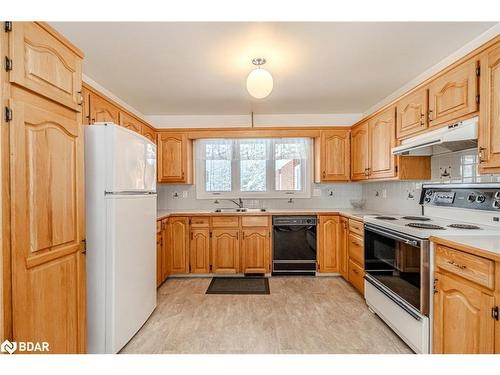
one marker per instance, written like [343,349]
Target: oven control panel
[462,196]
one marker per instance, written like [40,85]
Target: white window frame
[306,177]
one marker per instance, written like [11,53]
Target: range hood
[459,136]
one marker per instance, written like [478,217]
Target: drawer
[356,276]
[199,222]
[471,267]
[225,221]
[158,226]
[356,249]
[356,227]
[255,221]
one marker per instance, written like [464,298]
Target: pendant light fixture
[259,81]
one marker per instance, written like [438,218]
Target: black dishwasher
[294,245]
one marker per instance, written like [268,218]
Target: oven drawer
[471,267]
[356,227]
[356,249]
[356,276]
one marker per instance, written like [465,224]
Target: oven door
[397,265]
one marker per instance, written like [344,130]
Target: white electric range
[399,256]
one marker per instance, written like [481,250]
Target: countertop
[347,212]
[487,246]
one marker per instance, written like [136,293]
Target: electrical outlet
[175,195]
[184,194]
[331,193]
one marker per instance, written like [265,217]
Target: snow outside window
[253,168]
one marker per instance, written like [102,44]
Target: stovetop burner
[417,218]
[464,226]
[385,218]
[424,226]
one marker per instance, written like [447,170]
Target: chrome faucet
[239,203]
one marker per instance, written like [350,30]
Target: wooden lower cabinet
[159,256]
[255,250]
[328,238]
[462,317]
[343,247]
[178,234]
[225,250]
[356,276]
[199,251]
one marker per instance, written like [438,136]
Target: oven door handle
[394,298]
[392,235]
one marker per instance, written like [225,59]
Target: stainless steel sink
[239,210]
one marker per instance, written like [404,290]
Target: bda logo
[8,347]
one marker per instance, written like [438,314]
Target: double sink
[249,210]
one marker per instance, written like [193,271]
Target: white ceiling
[200,68]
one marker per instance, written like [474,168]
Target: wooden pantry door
[47,218]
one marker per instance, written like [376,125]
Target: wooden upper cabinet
[255,250]
[130,122]
[412,114]
[328,245]
[335,155]
[453,95]
[199,251]
[148,132]
[359,152]
[102,110]
[462,317]
[174,158]
[381,134]
[178,244]
[46,63]
[47,222]
[225,250]
[489,120]
[85,106]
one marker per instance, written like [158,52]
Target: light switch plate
[184,194]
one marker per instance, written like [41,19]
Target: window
[253,168]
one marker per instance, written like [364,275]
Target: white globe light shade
[259,83]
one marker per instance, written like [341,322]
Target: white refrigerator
[120,181]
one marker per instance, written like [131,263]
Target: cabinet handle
[243,235]
[80,98]
[324,174]
[462,267]
[481,154]
[429,115]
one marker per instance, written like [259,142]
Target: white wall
[452,167]
[342,194]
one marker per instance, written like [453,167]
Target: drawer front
[225,221]
[255,221]
[356,277]
[356,249]
[199,222]
[471,267]
[356,227]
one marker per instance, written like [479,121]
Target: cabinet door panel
[172,157]
[453,94]
[335,155]
[489,121]
[45,65]
[343,243]
[359,152]
[47,224]
[225,251]
[200,251]
[178,244]
[159,259]
[130,122]
[328,234]
[462,318]
[102,110]
[255,250]
[381,134]
[412,114]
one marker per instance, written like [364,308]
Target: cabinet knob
[481,154]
